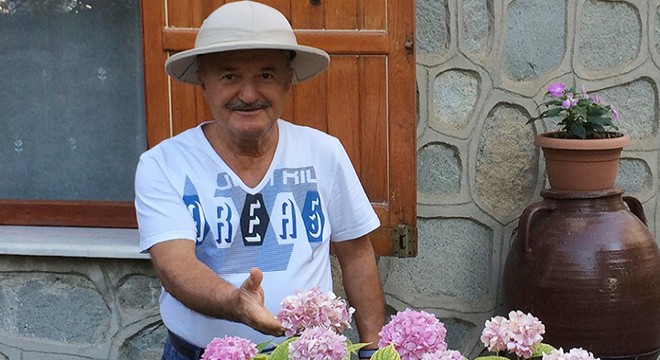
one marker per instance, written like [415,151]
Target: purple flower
[309,309]
[318,343]
[557,89]
[596,99]
[495,335]
[229,348]
[615,112]
[573,354]
[525,333]
[584,93]
[569,102]
[443,355]
[413,333]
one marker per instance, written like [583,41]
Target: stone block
[432,30]
[67,308]
[477,25]
[535,39]
[438,169]
[609,35]
[455,94]
[147,344]
[636,102]
[454,262]
[506,162]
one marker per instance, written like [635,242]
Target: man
[239,212]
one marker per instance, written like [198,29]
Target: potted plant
[584,154]
[583,234]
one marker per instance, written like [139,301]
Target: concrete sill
[70,242]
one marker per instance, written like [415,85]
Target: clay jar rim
[547,141]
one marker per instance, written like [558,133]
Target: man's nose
[248,92]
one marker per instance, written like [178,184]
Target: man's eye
[228,77]
[267,76]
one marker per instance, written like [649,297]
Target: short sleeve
[351,213]
[161,213]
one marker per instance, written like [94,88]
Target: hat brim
[308,62]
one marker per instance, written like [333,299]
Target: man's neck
[250,159]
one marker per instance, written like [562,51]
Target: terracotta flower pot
[581,165]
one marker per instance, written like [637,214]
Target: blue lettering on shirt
[260,230]
[191,199]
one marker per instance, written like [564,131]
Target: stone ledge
[70,242]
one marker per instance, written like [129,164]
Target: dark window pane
[72,118]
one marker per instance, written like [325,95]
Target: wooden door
[366,98]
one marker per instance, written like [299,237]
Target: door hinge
[404,241]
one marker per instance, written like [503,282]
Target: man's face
[246,89]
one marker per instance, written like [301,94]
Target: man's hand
[249,300]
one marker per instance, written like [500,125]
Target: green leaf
[281,352]
[353,348]
[260,357]
[578,131]
[552,112]
[581,112]
[597,112]
[492,357]
[552,102]
[263,345]
[542,348]
[585,102]
[386,353]
[602,121]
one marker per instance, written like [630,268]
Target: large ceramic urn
[587,266]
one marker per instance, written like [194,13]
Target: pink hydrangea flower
[308,309]
[443,355]
[525,333]
[556,89]
[580,354]
[495,335]
[573,354]
[413,333]
[318,343]
[230,348]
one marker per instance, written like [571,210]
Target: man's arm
[199,288]
[362,286]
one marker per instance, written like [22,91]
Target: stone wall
[58,308]
[483,68]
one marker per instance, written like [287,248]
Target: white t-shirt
[310,196]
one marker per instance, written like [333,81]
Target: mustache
[243,106]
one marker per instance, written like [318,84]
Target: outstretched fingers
[256,315]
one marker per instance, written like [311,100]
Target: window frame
[77,213]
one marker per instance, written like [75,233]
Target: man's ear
[290,80]
[200,80]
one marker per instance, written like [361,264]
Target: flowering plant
[412,335]
[313,321]
[312,308]
[583,116]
